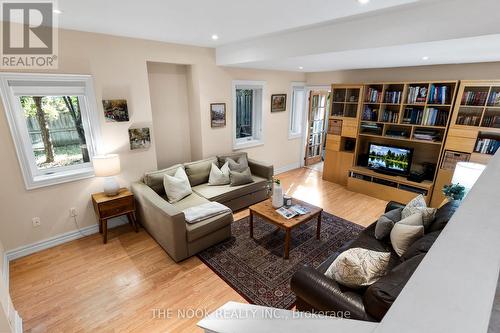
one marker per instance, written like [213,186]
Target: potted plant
[277,193]
[454,192]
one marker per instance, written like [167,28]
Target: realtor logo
[28,35]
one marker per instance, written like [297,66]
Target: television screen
[389,159]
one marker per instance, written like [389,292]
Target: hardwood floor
[87,286]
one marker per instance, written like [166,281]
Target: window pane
[297,111]
[244,107]
[56,130]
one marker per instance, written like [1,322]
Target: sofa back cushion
[443,215]
[379,297]
[199,171]
[154,179]
[233,156]
[421,246]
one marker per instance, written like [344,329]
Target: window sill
[294,136]
[59,178]
[247,144]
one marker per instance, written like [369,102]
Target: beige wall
[169,106]
[482,71]
[119,68]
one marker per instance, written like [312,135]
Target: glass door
[316,128]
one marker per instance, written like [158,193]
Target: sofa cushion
[199,171]
[406,232]
[234,156]
[443,215]
[418,205]
[240,178]
[238,165]
[190,201]
[386,222]
[154,179]
[379,297]
[358,267]
[421,246]
[177,187]
[224,193]
[219,176]
[201,229]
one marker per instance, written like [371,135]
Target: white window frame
[293,115]
[13,85]
[257,138]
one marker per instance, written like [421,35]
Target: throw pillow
[240,178]
[219,176]
[386,222]
[406,232]
[418,205]
[238,166]
[177,187]
[358,267]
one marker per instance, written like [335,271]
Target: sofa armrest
[324,294]
[393,205]
[163,221]
[261,169]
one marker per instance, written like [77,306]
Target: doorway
[319,103]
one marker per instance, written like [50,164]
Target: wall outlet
[73,212]
[36,221]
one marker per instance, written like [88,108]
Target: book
[292,211]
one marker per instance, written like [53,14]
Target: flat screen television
[389,159]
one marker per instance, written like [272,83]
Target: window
[247,113]
[297,110]
[54,124]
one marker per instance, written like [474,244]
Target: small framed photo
[140,138]
[218,114]
[115,110]
[278,102]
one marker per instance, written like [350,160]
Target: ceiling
[312,35]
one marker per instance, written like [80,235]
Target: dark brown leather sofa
[317,293]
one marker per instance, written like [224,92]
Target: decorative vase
[277,196]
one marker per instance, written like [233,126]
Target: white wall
[169,106]
[4,296]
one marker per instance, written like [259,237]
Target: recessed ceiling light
[57,11]
[425,58]
[300,67]
[363,2]
[215,37]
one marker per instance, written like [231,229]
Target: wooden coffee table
[266,210]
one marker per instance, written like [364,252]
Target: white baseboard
[286,168]
[57,240]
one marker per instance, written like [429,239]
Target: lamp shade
[466,174]
[106,165]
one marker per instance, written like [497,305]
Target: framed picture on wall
[115,110]
[218,114]
[278,102]
[139,138]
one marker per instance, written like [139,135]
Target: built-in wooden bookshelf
[410,114]
[474,133]
[343,124]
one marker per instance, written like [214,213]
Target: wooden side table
[108,207]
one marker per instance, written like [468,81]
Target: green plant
[454,191]
[276,181]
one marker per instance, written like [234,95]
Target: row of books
[413,115]
[370,113]
[393,97]
[439,95]
[491,121]
[417,94]
[373,95]
[468,119]
[474,98]
[390,116]
[494,99]
[434,117]
[487,146]
[427,135]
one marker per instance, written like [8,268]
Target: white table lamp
[108,166]
[466,174]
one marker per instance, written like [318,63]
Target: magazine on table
[292,211]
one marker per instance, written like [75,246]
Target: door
[316,129]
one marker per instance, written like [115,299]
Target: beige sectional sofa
[166,222]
